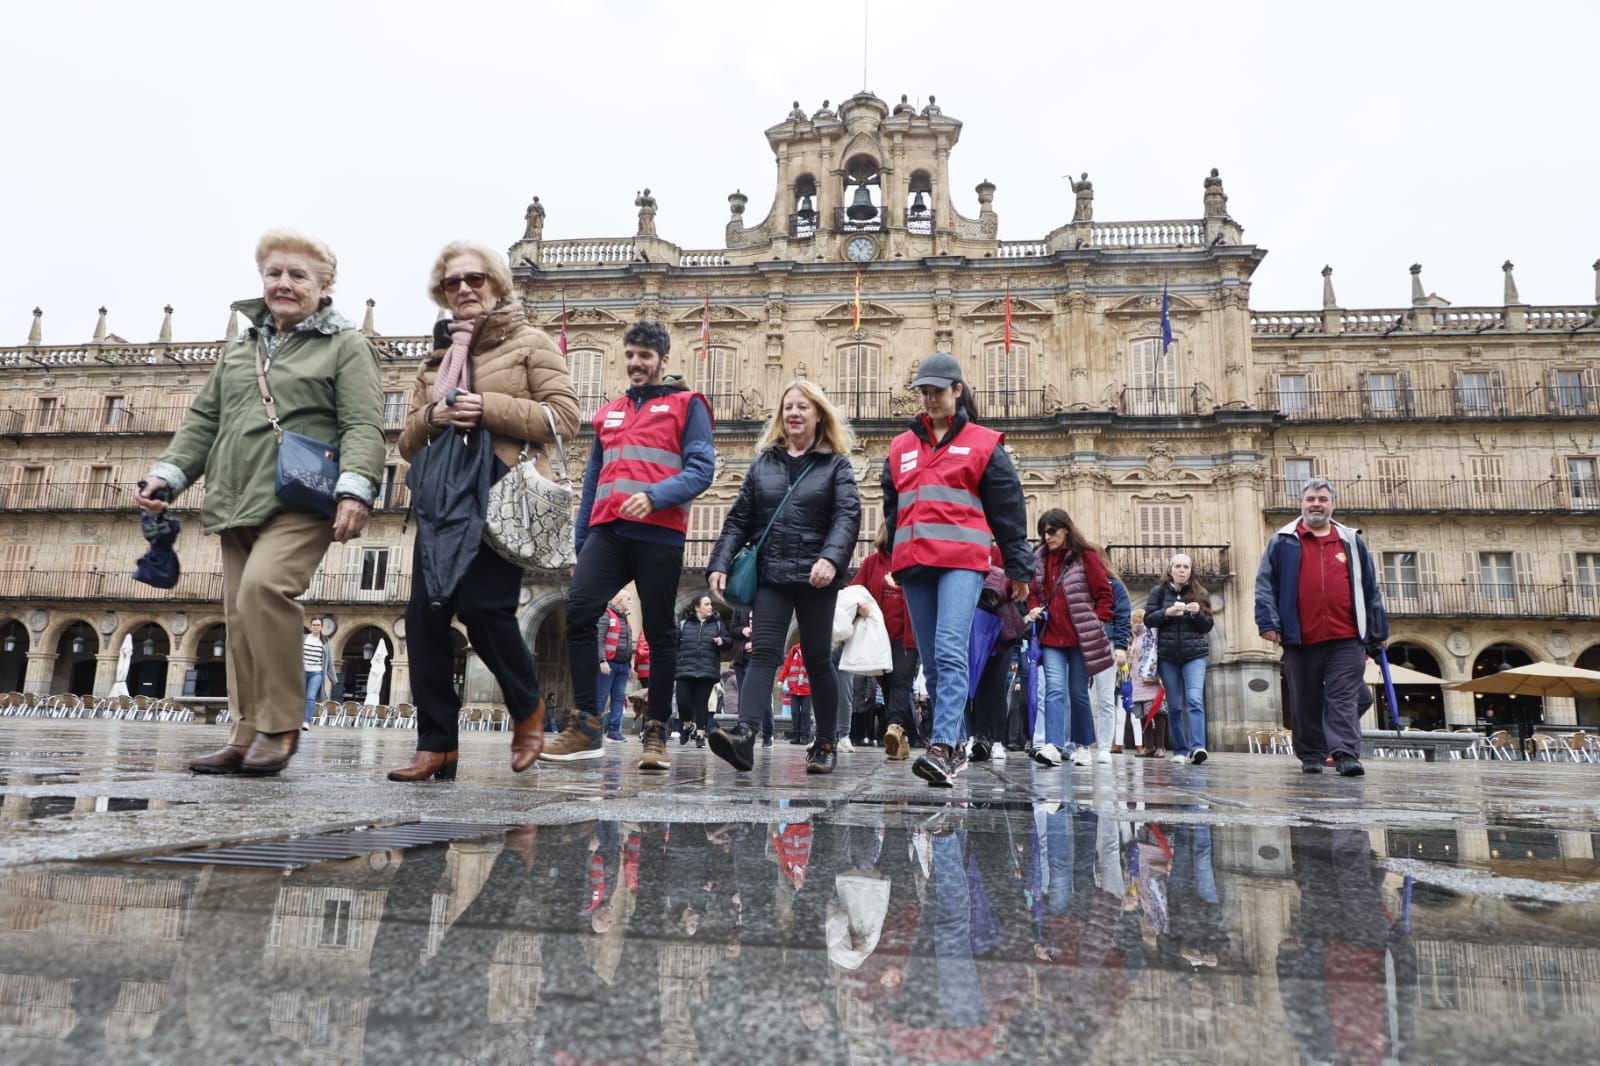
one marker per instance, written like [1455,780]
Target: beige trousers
[263,569]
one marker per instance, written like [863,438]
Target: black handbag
[743,575]
[308,469]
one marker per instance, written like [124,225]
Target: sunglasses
[1051,531]
[473,280]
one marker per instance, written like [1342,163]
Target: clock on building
[861,250]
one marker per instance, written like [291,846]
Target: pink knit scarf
[454,370]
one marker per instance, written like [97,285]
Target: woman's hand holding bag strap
[529,516]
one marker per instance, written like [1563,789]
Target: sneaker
[1197,756]
[1311,766]
[579,739]
[1081,756]
[894,743]
[699,738]
[958,760]
[844,745]
[1103,758]
[980,750]
[936,766]
[1047,755]
[684,736]
[1180,759]
[655,747]
[615,738]
[766,742]
[998,753]
[735,746]
[1348,766]
[820,759]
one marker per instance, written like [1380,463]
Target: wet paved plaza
[1238,912]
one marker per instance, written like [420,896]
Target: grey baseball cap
[940,370]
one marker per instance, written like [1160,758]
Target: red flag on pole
[563,340]
[705,328]
[856,325]
[1008,319]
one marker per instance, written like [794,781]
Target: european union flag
[1166,320]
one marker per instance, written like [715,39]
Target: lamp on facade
[11,644]
[77,645]
[217,649]
[148,647]
[367,650]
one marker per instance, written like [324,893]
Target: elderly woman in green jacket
[322,374]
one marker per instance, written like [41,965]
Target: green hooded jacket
[325,382]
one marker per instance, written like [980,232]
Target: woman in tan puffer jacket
[490,369]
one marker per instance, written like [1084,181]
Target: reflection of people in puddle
[1335,973]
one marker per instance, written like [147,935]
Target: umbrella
[981,638]
[1536,679]
[124,662]
[380,663]
[159,567]
[1400,675]
[449,481]
[1388,688]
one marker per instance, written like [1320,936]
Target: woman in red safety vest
[949,491]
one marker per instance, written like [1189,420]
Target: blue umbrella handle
[1388,689]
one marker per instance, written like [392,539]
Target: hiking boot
[820,759]
[581,738]
[894,743]
[936,766]
[655,747]
[735,746]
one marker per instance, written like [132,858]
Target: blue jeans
[1185,684]
[313,693]
[941,604]
[1065,677]
[612,692]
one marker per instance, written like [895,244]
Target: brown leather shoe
[527,740]
[426,764]
[270,752]
[222,761]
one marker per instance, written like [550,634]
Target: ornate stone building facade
[1464,440]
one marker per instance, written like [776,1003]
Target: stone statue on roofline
[1083,209]
[535,220]
[647,213]
[1216,201]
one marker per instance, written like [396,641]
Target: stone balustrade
[702,259]
[585,253]
[1431,319]
[1022,250]
[1178,233]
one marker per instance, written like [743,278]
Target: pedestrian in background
[1179,610]
[616,651]
[703,639]
[317,658]
[1072,595]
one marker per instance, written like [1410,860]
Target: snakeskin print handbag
[529,519]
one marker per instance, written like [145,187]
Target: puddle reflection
[1046,934]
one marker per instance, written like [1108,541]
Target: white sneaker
[1180,759]
[998,753]
[1081,756]
[1047,755]
[1103,757]
[1197,756]
[843,744]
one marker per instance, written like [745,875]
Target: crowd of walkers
[1011,643]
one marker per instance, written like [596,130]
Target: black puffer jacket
[820,521]
[1178,640]
[699,654]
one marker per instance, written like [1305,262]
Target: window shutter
[1522,569]
[85,557]
[1497,387]
[1552,389]
[17,557]
[1569,569]
[1456,391]
[1364,388]
[1591,389]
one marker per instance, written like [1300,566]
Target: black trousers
[607,562]
[897,689]
[987,710]
[694,700]
[486,603]
[1324,690]
[812,610]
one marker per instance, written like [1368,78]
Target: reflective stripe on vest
[640,448]
[939,518]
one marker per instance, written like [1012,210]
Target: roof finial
[1327,288]
[1511,284]
[166,326]
[1417,295]
[36,333]
[100,327]
[366,323]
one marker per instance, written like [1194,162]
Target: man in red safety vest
[652,455]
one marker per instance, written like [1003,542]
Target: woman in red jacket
[797,682]
[874,576]
[1072,594]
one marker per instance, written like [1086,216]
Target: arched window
[586,366]
[855,390]
[1152,379]
[711,372]
[919,208]
[862,208]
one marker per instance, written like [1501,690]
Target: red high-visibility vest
[940,520]
[639,448]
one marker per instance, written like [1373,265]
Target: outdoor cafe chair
[1578,747]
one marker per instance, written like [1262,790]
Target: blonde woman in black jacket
[803,562]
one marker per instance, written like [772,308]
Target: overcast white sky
[147,144]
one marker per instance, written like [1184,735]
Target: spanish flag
[856,325]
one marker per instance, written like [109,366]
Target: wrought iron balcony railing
[1400,495]
[1137,562]
[1478,599]
[1447,401]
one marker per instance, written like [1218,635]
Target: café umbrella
[1535,679]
